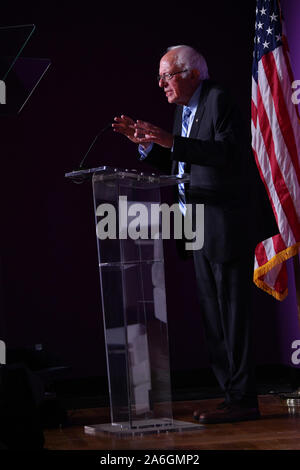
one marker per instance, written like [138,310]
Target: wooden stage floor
[276,430]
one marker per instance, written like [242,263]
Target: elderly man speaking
[209,143]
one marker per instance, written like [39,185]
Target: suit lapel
[196,122]
[200,110]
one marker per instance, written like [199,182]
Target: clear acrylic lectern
[131,264]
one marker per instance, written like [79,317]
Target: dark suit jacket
[223,176]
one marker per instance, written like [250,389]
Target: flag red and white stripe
[276,147]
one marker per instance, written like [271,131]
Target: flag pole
[297,282]
[296,400]
[292,399]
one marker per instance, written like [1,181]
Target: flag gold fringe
[277,259]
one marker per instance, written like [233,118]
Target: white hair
[189,58]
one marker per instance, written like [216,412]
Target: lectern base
[153,426]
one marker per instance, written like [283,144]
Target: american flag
[276,146]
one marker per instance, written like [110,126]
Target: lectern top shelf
[107,173]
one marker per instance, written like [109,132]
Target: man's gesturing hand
[125,125]
[141,132]
[147,133]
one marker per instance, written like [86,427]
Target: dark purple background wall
[104,62]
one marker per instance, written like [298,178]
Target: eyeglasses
[168,76]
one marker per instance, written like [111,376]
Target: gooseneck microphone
[108,126]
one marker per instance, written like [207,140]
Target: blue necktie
[184,131]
